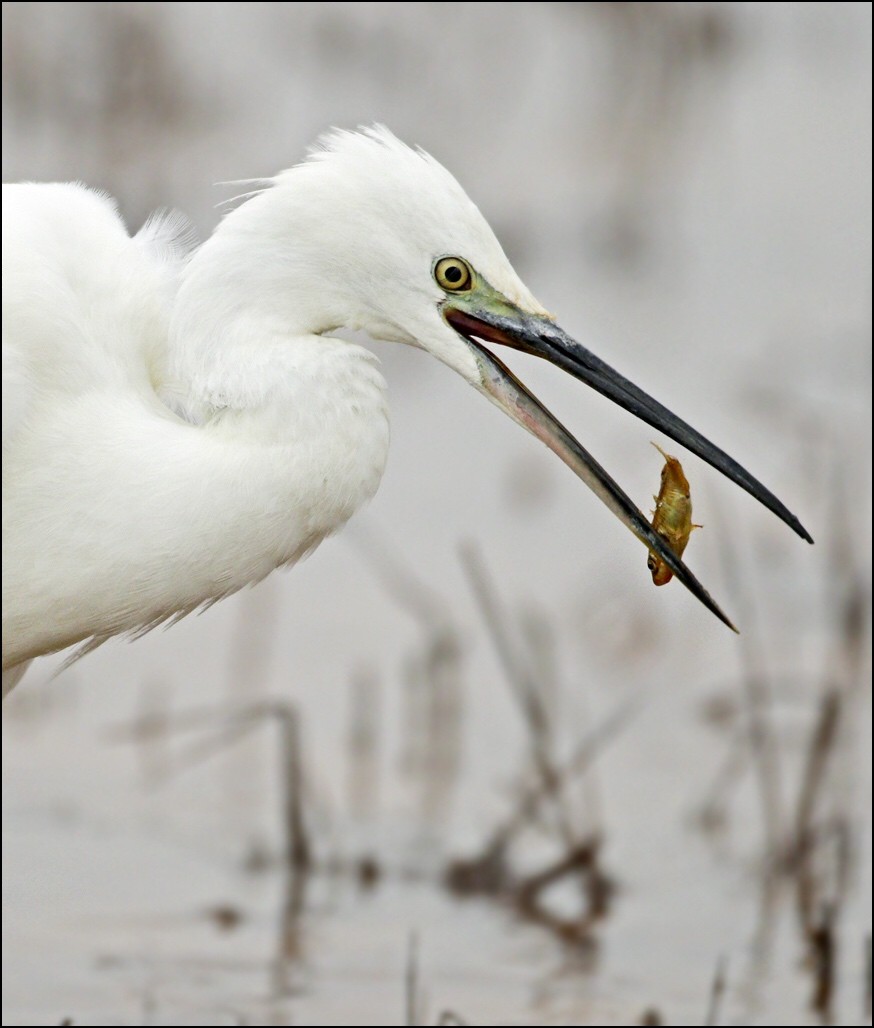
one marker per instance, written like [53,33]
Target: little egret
[176,426]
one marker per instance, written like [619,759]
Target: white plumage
[176,429]
[177,426]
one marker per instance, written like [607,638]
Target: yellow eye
[453,274]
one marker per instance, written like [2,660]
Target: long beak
[538,335]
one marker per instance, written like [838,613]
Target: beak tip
[725,619]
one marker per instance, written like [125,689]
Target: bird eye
[453,274]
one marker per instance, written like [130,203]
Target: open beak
[490,318]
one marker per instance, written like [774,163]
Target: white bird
[177,426]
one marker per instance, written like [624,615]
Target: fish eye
[651,564]
[453,274]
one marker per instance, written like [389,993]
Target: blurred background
[465,764]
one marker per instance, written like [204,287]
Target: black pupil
[453,274]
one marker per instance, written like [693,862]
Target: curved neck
[247,294]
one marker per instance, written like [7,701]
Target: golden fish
[672,517]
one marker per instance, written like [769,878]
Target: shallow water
[112,887]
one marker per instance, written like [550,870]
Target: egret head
[395,247]
[393,243]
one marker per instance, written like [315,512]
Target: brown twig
[449,1017]
[823,952]
[227,727]
[523,686]
[717,993]
[800,857]
[758,702]
[545,800]
[582,861]
[528,803]
[819,751]
[298,853]
[433,674]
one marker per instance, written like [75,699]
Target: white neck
[247,294]
[248,362]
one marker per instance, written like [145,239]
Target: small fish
[672,517]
